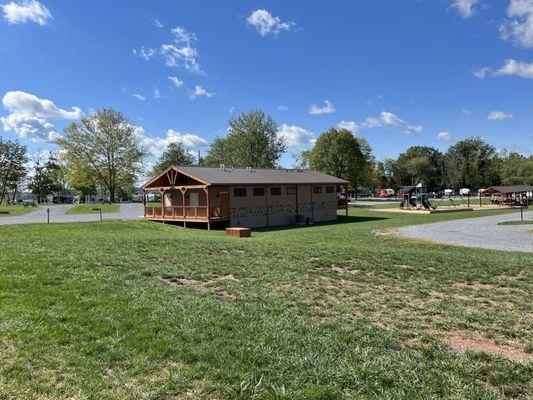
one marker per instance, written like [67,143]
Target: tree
[13,158]
[103,150]
[338,153]
[471,163]
[419,164]
[216,154]
[252,141]
[516,169]
[175,154]
[46,179]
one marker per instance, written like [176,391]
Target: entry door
[224,204]
[193,199]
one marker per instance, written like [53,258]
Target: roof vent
[222,167]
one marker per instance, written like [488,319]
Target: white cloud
[445,137]
[465,7]
[139,97]
[146,53]
[176,81]
[28,127]
[158,24]
[519,27]
[199,92]
[349,125]
[283,108]
[156,94]
[327,109]
[467,113]
[265,23]
[156,146]
[29,116]
[26,10]
[29,104]
[388,119]
[181,53]
[499,116]
[510,67]
[296,136]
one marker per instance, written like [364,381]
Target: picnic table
[29,203]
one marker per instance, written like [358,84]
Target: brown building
[243,196]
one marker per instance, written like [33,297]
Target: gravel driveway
[477,232]
[58,214]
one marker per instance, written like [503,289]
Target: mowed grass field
[15,210]
[138,310]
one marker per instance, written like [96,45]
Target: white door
[193,199]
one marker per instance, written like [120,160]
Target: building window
[291,190]
[330,189]
[317,189]
[275,191]
[259,192]
[239,192]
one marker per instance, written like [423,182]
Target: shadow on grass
[342,219]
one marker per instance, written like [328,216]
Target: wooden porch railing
[185,212]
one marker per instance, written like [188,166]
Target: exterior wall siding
[256,211]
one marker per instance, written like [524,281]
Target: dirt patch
[477,286]
[385,232]
[460,343]
[339,270]
[404,266]
[201,286]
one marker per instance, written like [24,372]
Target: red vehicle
[386,193]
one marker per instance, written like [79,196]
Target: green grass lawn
[139,310]
[89,208]
[517,222]
[16,210]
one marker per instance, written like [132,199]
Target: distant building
[243,196]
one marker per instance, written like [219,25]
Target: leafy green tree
[252,141]
[471,163]
[175,154]
[13,158]
[103,150]
[217,153]
[516,169]
[46,179]
[419,164]
[338,153]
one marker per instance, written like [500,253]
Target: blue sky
[398,72]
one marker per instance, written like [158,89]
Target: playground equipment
[415,198]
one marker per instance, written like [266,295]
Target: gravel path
[477,232]
[58,214]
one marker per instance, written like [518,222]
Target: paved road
[365,203]
[477,232]
[58,214]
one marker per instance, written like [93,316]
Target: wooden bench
[239,232]
[29,203]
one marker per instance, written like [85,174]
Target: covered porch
[185,199]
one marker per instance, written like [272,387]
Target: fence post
[48,215]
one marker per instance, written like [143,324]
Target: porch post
[206,190]
[144,203]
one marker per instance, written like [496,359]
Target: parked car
[386,193]
[364,193]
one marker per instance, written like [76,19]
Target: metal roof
[509,189]
[257,176]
